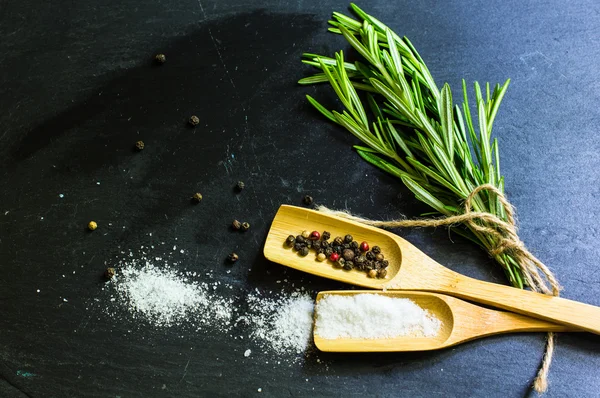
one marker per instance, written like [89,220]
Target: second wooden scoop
[411,269]
[460,322]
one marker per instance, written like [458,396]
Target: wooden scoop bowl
[460,322]
[411,269]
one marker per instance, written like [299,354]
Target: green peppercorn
[160,58]
[240,185]
[379,257]
[233,257]
[376,249]
[139,145]
[346,246]
[245,226]
[348,265]
[337,264]
[341,261]
[237,225]
[289,241]
[304,251]
[328,251]
[109,273]
[325,235]
[382,273]
[360,259]
[348,238]
[194,120]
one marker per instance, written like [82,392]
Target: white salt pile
[282,324]
[167,298]
[372,316]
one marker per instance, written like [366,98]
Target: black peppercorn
[237,225]
[298,245]
[300,239]
[354,245]
[370,256]
[360,259]
[304,251]
[139,145]
[357,252]
[348,265]
[328,251]
[194,120]
[233,257]
[385,263]
[382,273]
[290,239]
[377,264]
[316,245]
[337,249]
[309,244]
[321,250]
[325,244]
[338,241]
[240,185]
[379,257]
[308,200]
[326,235]
[369,264]
[245,226]
[376,249]
[348,254]
[348,238]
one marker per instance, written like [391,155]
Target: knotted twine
[504,234]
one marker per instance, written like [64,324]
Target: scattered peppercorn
[321,257]
[160,58]
[364,246]
[304,251]
[382,273]
[194,120]
[197,198]
[233,257]
[92,225]
[348,238]
[237,225]
[326,235]
[305,234]
[308,200]
[376,249]
[245,226]
[109,273]
[372,273]
[139,145]
[289,241]
[240,185]
[315,235]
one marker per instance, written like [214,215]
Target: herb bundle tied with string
[412,130]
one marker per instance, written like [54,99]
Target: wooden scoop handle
[537,305]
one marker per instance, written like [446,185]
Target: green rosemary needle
[410,128]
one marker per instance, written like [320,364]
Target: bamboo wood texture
[461,322]
[411,269]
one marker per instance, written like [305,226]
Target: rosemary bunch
[410,128]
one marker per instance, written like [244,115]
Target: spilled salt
[372,316]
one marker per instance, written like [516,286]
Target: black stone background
[78,88]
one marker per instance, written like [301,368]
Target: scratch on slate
[184,371]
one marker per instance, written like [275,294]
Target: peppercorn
[341,261]
[300,239]
[139,145]
[360,259]
[354,245]
[372,273]
[194,120]
[348,254]
[197,198]
[240,185]
[369,264]
[305,234]
[160,58]
[316,245]
[376,249]
[357,252]
[289,241]
[309,244]
[321,250]
[348,238]
[382,273]
[304,251]
[338,241]
[308,200]
[233,257]
[348,265]
[321,257]
[364,246]
[326,235]
[298,246]
[328,251]
[385,263]
[325,244]
[237,225]
[92,225]
[245,226]
[337,264]
[334,257]
[377,264]
[379,257]
[337,249]
[315,235]
[109,273]
[370,256]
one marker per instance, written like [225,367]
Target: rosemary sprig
[410,128]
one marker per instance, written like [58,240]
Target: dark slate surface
[77,89]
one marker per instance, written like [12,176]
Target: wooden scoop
[411,269]
[460,322]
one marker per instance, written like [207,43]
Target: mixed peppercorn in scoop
[344,252]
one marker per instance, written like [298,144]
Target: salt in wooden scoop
[460,322]
[411,269]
